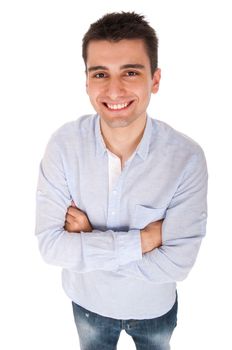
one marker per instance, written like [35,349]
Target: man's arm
[82,252]
[182,230]
[77,221]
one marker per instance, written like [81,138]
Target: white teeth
[118,106]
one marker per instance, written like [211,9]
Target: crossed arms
[135,253]
[77,221]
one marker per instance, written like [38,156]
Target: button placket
[114,207]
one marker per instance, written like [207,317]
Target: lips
[117,106]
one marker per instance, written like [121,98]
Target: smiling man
[121,199]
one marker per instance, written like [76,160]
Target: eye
[131,73]
[99,75]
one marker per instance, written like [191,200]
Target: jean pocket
[144,215]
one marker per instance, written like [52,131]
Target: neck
[123,141]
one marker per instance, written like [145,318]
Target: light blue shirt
[105,271]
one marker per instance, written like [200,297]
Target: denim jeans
[97,332]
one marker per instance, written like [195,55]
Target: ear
[156,81]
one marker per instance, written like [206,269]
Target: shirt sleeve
[182,231]
[81,252]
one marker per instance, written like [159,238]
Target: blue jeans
[102,333]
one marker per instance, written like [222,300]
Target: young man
[121,200]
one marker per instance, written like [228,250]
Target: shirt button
[113,212]
[114,192]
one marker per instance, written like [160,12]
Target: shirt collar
[100,144]
[142,148]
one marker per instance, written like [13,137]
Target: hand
[151,236]
[76,220]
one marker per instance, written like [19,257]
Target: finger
[69,219]
[74,211]
[68,227]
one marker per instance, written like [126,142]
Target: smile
[117,107]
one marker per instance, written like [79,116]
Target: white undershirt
[115,168]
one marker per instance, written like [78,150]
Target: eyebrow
[125,66]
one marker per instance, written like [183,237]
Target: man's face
[119,81]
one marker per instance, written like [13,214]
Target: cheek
[91,93]
[145,93]
[94,91]
[143,88]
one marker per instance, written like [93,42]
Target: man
[121,200]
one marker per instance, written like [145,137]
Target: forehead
[104,52]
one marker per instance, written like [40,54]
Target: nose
[115,88]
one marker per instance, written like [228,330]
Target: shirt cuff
[128,246]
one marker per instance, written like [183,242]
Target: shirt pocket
[144,215]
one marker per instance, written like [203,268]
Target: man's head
[121,68]
[125,25]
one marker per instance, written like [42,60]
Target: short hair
[117,26]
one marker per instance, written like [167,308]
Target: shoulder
[72,131]
[174,140]
[176,148]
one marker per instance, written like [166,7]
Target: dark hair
[125,25]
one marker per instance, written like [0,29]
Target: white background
[42,86]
